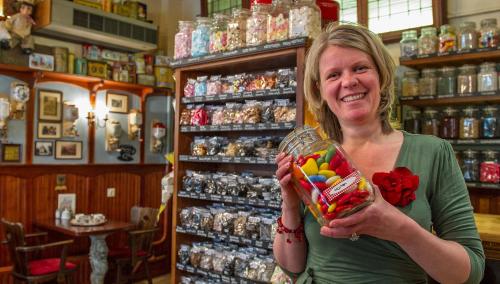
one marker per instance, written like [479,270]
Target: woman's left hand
[380,219]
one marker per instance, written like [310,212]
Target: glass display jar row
[479,166]
[265,23]
[450,40]
[454,123]
[450,80]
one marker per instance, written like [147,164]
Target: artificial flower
[398,186]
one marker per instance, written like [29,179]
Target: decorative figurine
[17,28]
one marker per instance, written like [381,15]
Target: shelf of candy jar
[450,45]
[246,32]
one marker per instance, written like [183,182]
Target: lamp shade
[158,130]
[4,109]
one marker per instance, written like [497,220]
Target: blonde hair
[353,36]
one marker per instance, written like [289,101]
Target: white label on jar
[348,183]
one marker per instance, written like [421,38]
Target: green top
[442,203]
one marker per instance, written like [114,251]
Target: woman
[348,85]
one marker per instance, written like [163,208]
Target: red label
[348,183]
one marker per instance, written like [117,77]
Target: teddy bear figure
[17,28]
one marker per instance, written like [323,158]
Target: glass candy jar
[218,34]
[305,19]
[409,43]
[447,39]
[409,84]
[236,29]
[447,81]
[487,78]
[200,38]
[489,170]
[467,36]
[257,24]
[430,124]
[489,34]
[489,122]
[427,84]
[413,122]
[449,124]
[324,177]
[466,79]
[277,21]
[470,166]
[428,41]
[182,40]
[469,124]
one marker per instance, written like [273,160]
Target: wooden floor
[164,279]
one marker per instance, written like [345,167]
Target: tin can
[163,77]
[149,59]
[81,66]
[61,59]
[106,6]
[71,63]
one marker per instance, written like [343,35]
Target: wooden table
[488,226]
[98,254]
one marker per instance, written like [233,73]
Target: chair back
[145,219]
[14,235]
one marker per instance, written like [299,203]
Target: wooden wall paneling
[485,201]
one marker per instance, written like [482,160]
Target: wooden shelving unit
[455,58]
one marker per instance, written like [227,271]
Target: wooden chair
[140,245]
[28,267]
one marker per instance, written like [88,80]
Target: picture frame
[11,153]
[44,148]
[117,102]
[66,200]
[41,61]
[68,150]
[49,130]
[50,105]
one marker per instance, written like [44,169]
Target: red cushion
[123,252]
[47,266]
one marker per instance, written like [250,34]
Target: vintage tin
[97,69]
[140,64]
[89,3]
[144,79]
[142,11]
[71,63]
[81,66]
[161,60]
[91,52]
[106,6]
[163,77]
[148,59]
[61,59]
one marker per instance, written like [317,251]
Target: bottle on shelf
[449,124]
[469,124]
[257,24]
[447,39]
[466,79]
[447,81]
[470,168]
[277,21]
[182,40]
[409,84]
[413,122]
[487,78]
[430,124]
[489,34]
[489,122]
[427,84]
[305,19]
[428,41]
[489,170]
[467,36]
[236,29]
[218,33]
[409,44]
[200,37]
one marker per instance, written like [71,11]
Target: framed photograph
[41,61]
[49,130]
[50,105]
[68,150]
[11,152]
[66,200]
[44,148]
[117,102]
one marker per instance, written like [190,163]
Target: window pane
[393,15]
[348,10]
[222,6]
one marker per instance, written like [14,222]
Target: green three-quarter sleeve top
[442,203]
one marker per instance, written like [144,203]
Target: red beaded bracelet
[298,233]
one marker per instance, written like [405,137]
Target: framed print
[44,148]
[117,102]
[66,200]
[49,130]
[68,150]
[41,61]
[50,105]
[11,152]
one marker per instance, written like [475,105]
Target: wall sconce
[158,133]
[19,95]
[134,124]
[70,116]
[4,116]
[95,120]
[113,134]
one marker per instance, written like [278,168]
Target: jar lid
[490,109]
[412,73]
[447,28]
[299,137]
[469,110]
[203,20]
[468,25]
[240,12]
[488,65]
[429,30]
[410,33]
[467,67]
[448,69]
[488,22]
[450,110]
[429,71]
[489,152]
[430,111]
[470,152]
[220,16]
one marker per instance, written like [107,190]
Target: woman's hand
[290,197]
[380,219]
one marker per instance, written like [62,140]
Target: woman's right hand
[291,199]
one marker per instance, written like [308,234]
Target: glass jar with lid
[257,24]
[427,84]
[489,34]
[277,21]
[218,33]
[430,124]
[469,124]
[413,122]
[409,84]
[447,39]
[428,41]
[304,19]
[489,122]
[470,168]
[449,124]
[487,78]
[489,170]
[182,40]
[409,43]
[447,81]
[237,28]
[467,36]
[466,79]
[200,37]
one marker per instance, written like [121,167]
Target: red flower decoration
[398,186]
